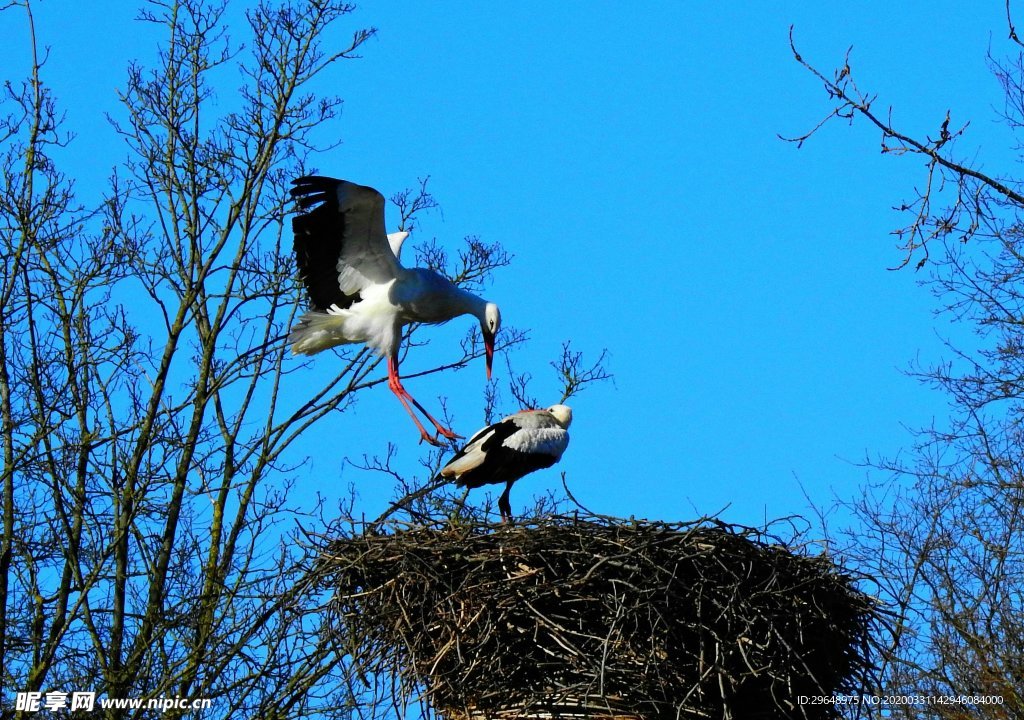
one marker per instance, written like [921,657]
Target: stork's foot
[446,433]
[431,439]
[435,440]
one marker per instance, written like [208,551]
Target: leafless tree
[148,399]
[941,529]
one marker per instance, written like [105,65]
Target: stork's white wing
[366,257]
[395,240]
[341,246]
[539,441]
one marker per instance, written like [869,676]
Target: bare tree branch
[969,200]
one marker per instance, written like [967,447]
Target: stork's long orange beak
[489,352]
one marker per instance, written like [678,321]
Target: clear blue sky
[626,154]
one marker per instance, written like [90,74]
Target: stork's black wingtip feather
[314,180]
[310,190]
[313,183]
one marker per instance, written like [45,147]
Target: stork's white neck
[487,313]
[470,304]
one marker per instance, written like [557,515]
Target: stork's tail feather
[318,331]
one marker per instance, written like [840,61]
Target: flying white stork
[359,291]
[507,450]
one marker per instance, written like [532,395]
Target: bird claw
[435,440]
[431,439]
[449,434]
[335,310]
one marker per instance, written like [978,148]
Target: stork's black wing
[341,246]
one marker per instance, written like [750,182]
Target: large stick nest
[573,617]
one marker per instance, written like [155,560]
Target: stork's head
[489,325]
[562,413]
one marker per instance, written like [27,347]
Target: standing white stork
[507,450]
[359,291]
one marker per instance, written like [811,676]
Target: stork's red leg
[504,506]
[403,395]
